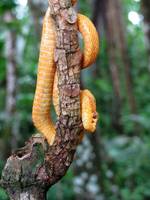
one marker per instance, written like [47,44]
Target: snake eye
[95,115]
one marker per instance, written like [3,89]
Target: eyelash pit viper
[47,80]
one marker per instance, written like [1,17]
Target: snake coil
[46,87]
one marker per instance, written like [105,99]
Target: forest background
[113,163]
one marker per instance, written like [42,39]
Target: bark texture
[30,171]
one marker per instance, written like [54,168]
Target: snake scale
[47,80]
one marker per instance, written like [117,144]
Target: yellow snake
[47,80]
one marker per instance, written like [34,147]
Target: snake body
[46,87]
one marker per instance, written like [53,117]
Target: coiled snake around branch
[46,87]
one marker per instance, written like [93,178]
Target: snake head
[94,121]
[91,123]
[88,110]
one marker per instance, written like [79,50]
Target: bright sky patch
[134,17]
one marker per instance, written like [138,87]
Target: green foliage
[3,195]
[85,7]
[131,164]
[3,62]
[63,190]
[7,5]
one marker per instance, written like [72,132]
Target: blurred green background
[114,163]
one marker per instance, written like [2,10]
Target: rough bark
[38,166]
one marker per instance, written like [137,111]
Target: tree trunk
[125,59]
[37,12]
[34,193]
[145,4]
[11,77]
[97,22]
[111,13]
[39,166]
[107,14]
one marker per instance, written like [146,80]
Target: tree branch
[30,171]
